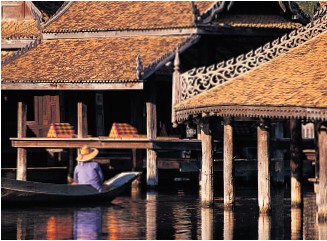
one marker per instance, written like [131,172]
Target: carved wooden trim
[198,80]
[278,112]
[19,53]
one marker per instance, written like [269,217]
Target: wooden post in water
[228,163]
[21,171]
[207,163]
[296,163]
[81,120]
[322,193]
[151,128]
[264,197]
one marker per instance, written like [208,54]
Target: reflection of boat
[15,191]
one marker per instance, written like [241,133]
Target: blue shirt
[89,173]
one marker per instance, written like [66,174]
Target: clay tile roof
[94,60]
[124,15]
[17,29]
[295,79]
[256,21]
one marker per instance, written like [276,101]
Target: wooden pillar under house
[81,120]
[207,191]
[21,172]
[264,197]
[99,113]
[322,193]
[136,121]
[228,163]
[151,128]
[296,163]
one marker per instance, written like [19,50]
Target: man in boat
[88,171]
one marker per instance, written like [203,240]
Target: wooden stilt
[207,164]
[99,116]
[322,193]
[228,164]
[264,197]
[21,173]
[81,120]
[296,163]
[70,174]
[151,119]
[278,154]
[152,168]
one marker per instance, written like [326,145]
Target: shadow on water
[168,213]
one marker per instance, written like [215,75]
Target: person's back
[87,171]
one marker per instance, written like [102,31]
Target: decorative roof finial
[139,66]
[196,13]
[176,61]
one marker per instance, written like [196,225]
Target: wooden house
[284,79]
[116,59]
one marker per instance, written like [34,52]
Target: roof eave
[253,111]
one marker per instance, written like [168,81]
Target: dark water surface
[168,214]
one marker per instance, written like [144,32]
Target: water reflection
[296,223]
[88,223]
[207,223]
[167,215]
[264,227]
[151,215]
[228,224]
[322,230]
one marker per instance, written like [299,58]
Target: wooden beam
[228,163]
[21,173]
[264,198]
[77,143]
[322,194]
[207,191]
[81,120]
[296,163]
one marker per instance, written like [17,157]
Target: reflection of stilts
[21,228]
[207,223]
[322,229]
[264,227]
[151,215]
[296,223]
[228,224]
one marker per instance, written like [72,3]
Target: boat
[14,192]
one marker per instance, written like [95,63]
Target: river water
[173,212]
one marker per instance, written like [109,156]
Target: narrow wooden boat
[15,191]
